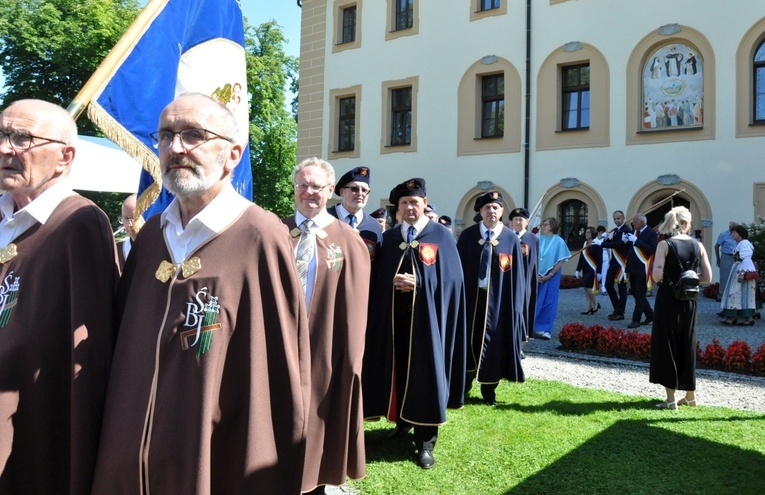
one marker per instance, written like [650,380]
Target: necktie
[410,234]
[483,268]
[352,221]
[304,252]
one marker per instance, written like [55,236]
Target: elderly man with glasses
[334,269]
[58,272]
[209,388]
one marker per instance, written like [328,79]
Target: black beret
[358,174]
[519,212]
[477,218]
[430,208]
[379,213]
[486,198]
[444,219]
[411,187]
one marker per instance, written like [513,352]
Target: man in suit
[519,219]
[353,188]
[642,244]
[617,268]
[127,219]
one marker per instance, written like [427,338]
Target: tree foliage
[273,129]
[49,48]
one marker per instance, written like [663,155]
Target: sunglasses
[357,189]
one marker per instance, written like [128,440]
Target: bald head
[54,121]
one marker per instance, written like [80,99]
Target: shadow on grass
[623,459]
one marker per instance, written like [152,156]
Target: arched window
[573,220]
[759,84]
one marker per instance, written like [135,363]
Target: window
[576,97]
[345,123]
[346,131]
[404,14]
[573,221]
[346,29]
[488,4]
[493,106]
[401,117]
[759,85]
[349,25]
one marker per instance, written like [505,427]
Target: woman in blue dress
[553,252]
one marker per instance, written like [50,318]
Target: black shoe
[588,312]
[721,314]
[426,459]
[400,431]
[616,318]
[595,310]
[613,314]
[634,324]
[648,321]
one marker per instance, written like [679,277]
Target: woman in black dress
[588,269]
[673,336]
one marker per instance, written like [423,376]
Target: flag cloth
[189,46]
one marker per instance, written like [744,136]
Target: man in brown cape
[333,263]
[58,270]
[210,379]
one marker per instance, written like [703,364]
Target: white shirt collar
[342,214]
[41,208]
[418,226]
[320,221]
[497,229]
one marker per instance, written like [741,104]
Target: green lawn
[553,438]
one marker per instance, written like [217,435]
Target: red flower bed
[617,342]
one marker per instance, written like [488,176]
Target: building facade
[620,106]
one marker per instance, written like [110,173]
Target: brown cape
[337,320]
[56,342]
[218,412]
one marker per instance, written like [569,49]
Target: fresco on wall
[673,89]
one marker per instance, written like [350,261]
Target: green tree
[273,129]
[49,48]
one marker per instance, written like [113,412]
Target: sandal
[685,402]
[729,321]
[667,405]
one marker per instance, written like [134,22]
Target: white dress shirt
[14,223]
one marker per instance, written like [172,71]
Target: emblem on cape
[200,317]
[505,261]
[189,267]
[317,232]
[428,253]
[371,247]
[8,253]
[524,249]
[334,257]
[493,242]
[9,291]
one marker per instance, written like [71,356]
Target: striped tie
[304,252]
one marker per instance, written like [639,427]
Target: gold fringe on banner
[135,148]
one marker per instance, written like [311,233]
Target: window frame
[399,112]
[497,115]
[336,96]
[348,25]
[758,66]
[392,31]
[339,9]
[579,89]
[388,87]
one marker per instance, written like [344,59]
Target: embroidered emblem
[295,232]
[494,195]
[505,261]
[188,268]
[228,93]
[200,319]
[524,249]
[8,253]
[363,171]
[428,253]
[9,291]
[414,244]
[334,257]
[410,184]
[371,247]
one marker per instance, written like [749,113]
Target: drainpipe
[527,137]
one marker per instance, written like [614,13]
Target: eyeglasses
[545,225]
[125,220]
[357,190]
[311,188]
[22,141]
[190,138]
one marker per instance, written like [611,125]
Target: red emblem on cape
[371,246]
[428,253]
[505,261]
[524,249]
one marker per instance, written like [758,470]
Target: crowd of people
[224,350]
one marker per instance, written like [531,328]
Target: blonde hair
[676,221]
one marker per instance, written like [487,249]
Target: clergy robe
[435,378]
[210,378]
[337,322]
[494,350]
[56,343]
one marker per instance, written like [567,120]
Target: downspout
[527,137]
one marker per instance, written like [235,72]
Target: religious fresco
[673,89]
